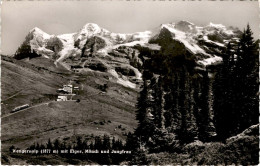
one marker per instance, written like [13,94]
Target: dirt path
[25,109]
[13,95]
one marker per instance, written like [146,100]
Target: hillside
[35,82]
[23,83]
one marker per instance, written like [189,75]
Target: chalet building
[62,98]
[68,88]
[67,92]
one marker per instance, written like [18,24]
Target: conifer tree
[158,103]
[49,144]
[145,127]
[57,144]
[247,70]
[106,142]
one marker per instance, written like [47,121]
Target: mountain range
[96,48]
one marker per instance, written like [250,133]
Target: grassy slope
[22,83]
[61,119]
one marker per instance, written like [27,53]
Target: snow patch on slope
[210,41]
[216,25]
[68,43]
[211,60]
[121,81]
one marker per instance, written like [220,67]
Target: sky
[59,17]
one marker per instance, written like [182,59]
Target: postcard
[144,82]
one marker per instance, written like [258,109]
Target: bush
[11,148]
[139,158]
[194,148]
[35,161]
[42,158]
[73,161]
[53,162]
[103,87]
[5,159]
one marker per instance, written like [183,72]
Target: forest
[180,104]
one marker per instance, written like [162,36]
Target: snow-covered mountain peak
[36,29]
[218,26]
[38,32]
[90,28]
[184,23]
[204,41]
[185,38]
[185,26]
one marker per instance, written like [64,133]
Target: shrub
[53,162]
[5,159]
[73,161]
[139,158]
[35,161]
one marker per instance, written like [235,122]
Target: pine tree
[49,144]
[206,127]
[158,103]
[168,109]
[57,144]
[79,143]
[247,70]
[37,146]
[106,142]
[98,143]
[188,130]
[143,115]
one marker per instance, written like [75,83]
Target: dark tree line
[179,104]
[236,87]
[97,143]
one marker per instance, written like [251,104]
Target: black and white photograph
[129,82]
